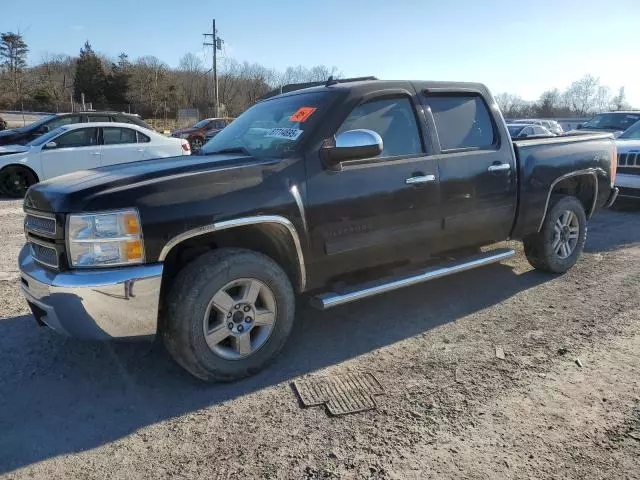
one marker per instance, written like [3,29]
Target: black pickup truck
[336,192]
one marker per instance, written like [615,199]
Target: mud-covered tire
[539,248]
[189,301]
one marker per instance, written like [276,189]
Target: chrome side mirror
[353,145]
[50,145]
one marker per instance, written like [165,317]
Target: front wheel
[16,180]
[557,246]
[230,312]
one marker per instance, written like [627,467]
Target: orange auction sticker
[302,115]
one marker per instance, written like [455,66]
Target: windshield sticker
[302,115]
[286,133]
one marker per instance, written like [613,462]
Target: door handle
[95,153]
[420,179]
[140,150]
[501,167]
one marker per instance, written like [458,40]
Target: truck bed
[542,162]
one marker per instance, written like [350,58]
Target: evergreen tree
[90,78]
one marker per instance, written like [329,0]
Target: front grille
[629,159]
[44,254]
[41,225]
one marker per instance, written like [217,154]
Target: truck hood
[626,146]
[122,186]
[11,149]
[615,132]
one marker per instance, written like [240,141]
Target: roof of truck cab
[366,86]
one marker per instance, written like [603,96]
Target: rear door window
[391,118]
[98,118]
[462,121]
[118,136]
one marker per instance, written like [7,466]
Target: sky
[521,47]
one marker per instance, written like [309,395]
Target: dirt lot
[451,408]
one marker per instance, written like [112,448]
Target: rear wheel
[560,242]
[16,180]
[196,144]
[230,312]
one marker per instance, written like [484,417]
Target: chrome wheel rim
[239,318]
[566,232]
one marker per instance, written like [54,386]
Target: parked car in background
[611,122]
[24,135]
[80,146]
[551,125]
[196,135]
[341,192]
[517,131]
[628,178]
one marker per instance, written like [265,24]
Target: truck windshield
[632,133]
[272,128]
[612,121]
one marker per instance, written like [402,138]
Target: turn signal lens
[133,251]
[614,165]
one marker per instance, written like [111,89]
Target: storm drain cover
[342,394]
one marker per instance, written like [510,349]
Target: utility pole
[216,43]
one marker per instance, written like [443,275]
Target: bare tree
[582,95]
[619,102]
[511,105]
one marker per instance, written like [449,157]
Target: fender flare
[241,222]
[590,171]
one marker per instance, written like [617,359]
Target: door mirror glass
[354,145]
[43,129]
[50,145]
[579,126]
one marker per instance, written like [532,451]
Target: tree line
[145,85]
[582,98]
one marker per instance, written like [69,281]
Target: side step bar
[328,300]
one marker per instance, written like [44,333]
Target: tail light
[614,165]
[186,147]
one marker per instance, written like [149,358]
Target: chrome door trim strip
[241,222]
[332,299]
[295,193]
[588,171]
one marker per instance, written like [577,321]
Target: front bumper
[628,184]
[97,304]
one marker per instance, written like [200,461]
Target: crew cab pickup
[336,192]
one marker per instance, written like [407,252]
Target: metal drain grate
[342,394]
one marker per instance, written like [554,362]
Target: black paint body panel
[361,219]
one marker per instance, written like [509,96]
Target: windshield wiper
[231,150]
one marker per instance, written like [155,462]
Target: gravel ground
[451,408]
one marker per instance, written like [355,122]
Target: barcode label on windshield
[286,133]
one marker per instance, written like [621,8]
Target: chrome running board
[328,300]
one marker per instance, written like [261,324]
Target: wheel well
[18,165]
[270,239]
[583,187]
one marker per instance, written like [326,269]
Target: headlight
[105,239]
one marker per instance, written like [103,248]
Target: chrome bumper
[98,304]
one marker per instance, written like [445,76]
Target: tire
[16,180]
[191,309]
[196,144]
[544,250]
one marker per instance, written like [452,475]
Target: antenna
[330,81]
